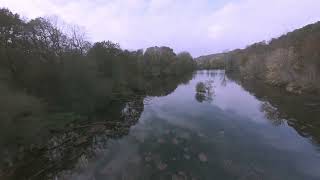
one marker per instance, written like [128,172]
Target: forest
[46,68]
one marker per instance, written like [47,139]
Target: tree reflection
[204,91]
[223,80]
[294,110]
[271,113]
[80,139]
[200,97]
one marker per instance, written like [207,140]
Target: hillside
[291,61]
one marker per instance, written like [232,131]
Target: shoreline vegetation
[58,91]
[47,68]
[291,61]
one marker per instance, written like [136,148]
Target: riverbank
[291,62]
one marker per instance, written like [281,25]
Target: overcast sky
[198,26]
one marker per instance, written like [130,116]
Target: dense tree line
[215,61]
[211,64]
[41,61]
[291,61]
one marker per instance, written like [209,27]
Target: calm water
[227,133]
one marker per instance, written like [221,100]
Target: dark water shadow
[63,145]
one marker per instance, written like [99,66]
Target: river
[233,131]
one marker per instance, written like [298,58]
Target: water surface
[229,135]
[226,133]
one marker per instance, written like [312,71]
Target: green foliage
[162,61]
[68,74]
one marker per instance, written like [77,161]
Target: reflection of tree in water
[164,86]
[294,110]
[221,74]
[271,113]
[223,80]
[200,97]
[204,91]
[78,141]
[81,139]
[212,74]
